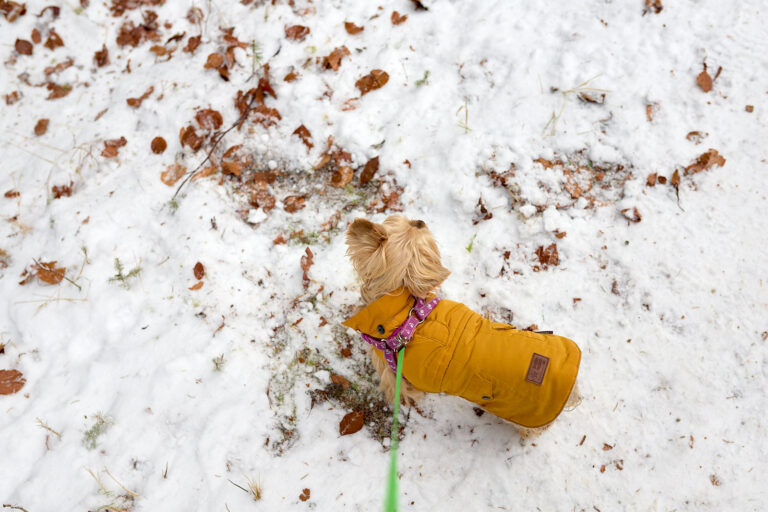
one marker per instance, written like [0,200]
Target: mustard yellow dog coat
[521,376]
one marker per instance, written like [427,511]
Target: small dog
[523,377]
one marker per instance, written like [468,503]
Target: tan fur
[394,254]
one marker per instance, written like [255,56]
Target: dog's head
[397,253]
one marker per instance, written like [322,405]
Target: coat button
[380,328]
[486,398]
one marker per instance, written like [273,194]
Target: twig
[46,427]
[98,481]
[242,117]
[243,488]
[121,485]
[15,507]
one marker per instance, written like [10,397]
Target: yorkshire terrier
[523,377]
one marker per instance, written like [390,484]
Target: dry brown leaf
[36,38]
[111,147]
[333,60]
[292,204]
[372,81]
[263,199]
[633,215]
[705,162]
[199,271]
[188,137]
[296,32]
[12,98]
[704,81]
[351,423]
[61,66]
[54,41]
[233,168]
[12,193]
[304,135]
[215,61]
[651,181]
[158,145]
[304,496]
[370,169]
[172,174]
[23,47]
[59,191]
[398,18]
[290,77]
[196,286]
[41,127]
[102,56]
[57,91]
[548,256]
[12,10]
[342,176]
[192,44]
[307,260]
[352,29]
[136,102]
[11,381]
[341,381]
[653,5]
[209,119]
[48,272]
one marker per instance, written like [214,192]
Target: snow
[673,311]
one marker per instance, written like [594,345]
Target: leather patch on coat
[537,369]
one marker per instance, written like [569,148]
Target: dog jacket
[521,376]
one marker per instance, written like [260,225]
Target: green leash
[390,505]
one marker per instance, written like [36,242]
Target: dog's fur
[399,253]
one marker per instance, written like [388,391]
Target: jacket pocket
[502,327]
[478,390]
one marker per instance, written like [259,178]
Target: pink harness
[403,334]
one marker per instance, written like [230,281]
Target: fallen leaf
[560,234]
[11,381]
[215,61]
[481,212]
[41,127]
[172,174]
[333,60]
[341,381]
[651,181]
[158,50]
[704,162]
[61,66]
[36,38]
[57,91]
[372,81]
[48,272]
[714,480]
[233,168]
[111,147]
[199,270]
[55,10]
[304,135]
[158,145]
[663,180]
[633,216]
[136,102]
[307,260]
[371,166]
[12,98]
[61,191]
[304,496]
[23,47]
[196,286]
[290,77]
[607,447]
[195,15]
[54,41]
[12,10]
[397,18]
[704,81]
[101,57]
[296,32]
[188,137]
[209,119]
[548,256]
[351,423]
[653,5]
[292,204]
[12,193]
[192,44]
[342,176]
[352,29]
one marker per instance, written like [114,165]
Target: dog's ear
[425,272]
[364,246]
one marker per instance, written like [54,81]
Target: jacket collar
[389,311]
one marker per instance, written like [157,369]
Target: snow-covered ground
[506,126]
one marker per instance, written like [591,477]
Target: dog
[524,377]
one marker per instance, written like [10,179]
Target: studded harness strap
[403,334]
